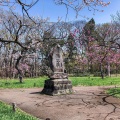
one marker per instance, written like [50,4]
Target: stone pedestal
[57,87]
[58,83]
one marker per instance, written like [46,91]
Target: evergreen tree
[71,47]
[71,53]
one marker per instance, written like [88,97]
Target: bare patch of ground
[87,103]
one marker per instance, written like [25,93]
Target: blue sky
[47,8]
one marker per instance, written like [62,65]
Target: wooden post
[47,119]
[14,107]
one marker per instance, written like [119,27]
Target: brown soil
[87,103]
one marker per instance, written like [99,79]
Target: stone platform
[57,87]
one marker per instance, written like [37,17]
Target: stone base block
[57,87]
[59,76]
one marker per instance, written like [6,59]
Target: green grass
[76,81]
[114,92]
[95,81]
[27,83]
[6,113]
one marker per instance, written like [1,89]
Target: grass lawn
[27,83]
[114,92]
[6,113]
[81,81]
[95,81]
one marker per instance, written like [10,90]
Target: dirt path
[88,103]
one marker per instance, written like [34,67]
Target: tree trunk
[10,71]
[89,68]
[101,71]
[20,79]
[19,71]
[116,70]
[108,69]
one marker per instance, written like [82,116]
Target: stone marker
[58,82]
[14,107]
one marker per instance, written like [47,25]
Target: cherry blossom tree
[21,33]
[26,33]
[110,38]
[99,45]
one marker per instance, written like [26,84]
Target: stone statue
[58,82]
[56,63]
[56,59]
